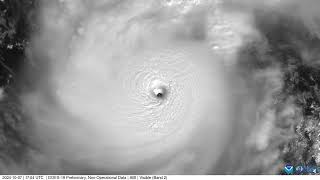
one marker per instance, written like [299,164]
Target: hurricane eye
[159,92]
[159,89]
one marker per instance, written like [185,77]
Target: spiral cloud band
[134,87]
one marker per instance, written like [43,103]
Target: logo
[312,169]
[300,169]
[288,169]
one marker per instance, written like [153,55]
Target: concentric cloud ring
[134,106]
[161,115]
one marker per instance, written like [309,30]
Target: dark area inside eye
[160,92]
[159,95]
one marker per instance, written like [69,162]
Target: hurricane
[150,87]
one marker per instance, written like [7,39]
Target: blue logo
[288,169]
[300,169]
[312,169]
